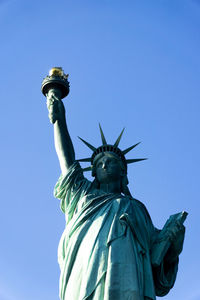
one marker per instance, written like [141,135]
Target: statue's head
[108,162]
[108,167]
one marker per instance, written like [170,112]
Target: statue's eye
[99,165]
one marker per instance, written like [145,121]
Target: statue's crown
[109,148]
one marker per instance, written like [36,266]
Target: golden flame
[56,71]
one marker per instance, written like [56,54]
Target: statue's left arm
[177,235]
[165,273]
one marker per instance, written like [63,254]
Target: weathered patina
[110,249]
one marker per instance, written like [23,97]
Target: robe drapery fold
[104,251]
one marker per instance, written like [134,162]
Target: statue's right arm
[63,144]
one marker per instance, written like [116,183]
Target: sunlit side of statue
[110,249]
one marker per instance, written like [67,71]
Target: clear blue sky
[133,64]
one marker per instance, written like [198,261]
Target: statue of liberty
[110,249]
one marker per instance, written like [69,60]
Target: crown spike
[130,161]
[118,139]
[87,144]
[85,159]
[87,169]
[102,135]
[130,148]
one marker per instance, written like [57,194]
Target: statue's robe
[105,250]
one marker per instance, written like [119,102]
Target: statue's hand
[55,107]
[177,234]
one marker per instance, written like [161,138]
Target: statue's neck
[111,187]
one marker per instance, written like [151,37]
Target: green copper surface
[110,249]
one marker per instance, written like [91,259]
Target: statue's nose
[104,165]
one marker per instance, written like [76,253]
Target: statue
[110,249]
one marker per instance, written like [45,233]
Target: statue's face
[108,169]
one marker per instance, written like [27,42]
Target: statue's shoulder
[142,207]
[139,203]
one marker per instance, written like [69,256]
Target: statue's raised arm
[63,143]
[55,87]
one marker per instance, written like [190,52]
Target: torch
[56,80]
